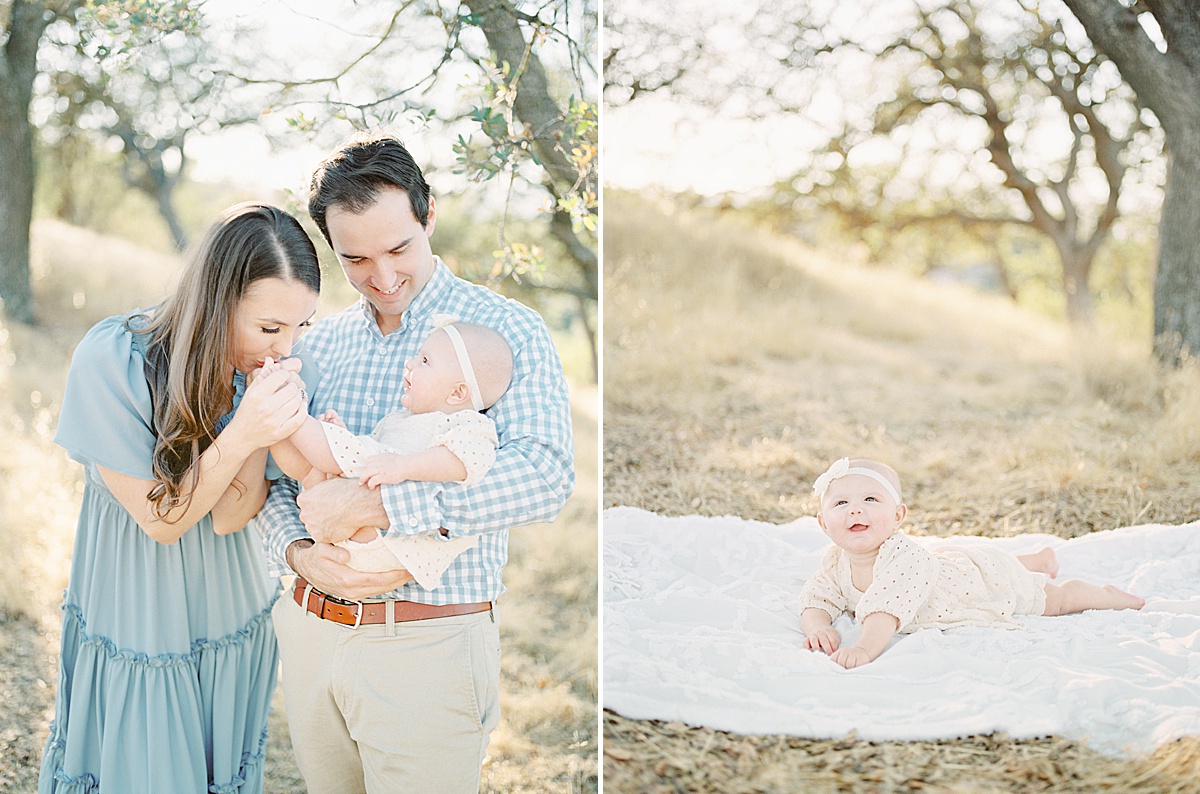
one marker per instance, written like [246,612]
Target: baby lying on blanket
[439,436]
[892,584]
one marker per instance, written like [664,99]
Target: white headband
[841,468]
[464,361]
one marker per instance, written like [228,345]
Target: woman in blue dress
[168,659]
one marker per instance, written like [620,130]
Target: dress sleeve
[107,415]
[902,581]
[821,591]
[471,436]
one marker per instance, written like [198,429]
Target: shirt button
[382,349]
[370,401]
[412,522]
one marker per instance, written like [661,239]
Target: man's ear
[460,396]
[431,218]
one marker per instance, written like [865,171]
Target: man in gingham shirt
[399,692]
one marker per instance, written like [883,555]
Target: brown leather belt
[366,613]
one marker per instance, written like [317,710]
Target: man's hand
[825,639]
[324,567]
[335,509]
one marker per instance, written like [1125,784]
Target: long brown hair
[189,353]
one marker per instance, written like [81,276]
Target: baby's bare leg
[1074,596]
[1044,561]
[364,535]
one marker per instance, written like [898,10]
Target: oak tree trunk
[18,67]
[1177,285]
[1167,81]
[1077,271]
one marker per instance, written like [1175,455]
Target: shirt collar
[423,305]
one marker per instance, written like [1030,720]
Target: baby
[892,584]
[439,436]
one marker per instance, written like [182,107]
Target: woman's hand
[272,408]
[292,365]
[825,639]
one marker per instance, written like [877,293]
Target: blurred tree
[22,23]
[647,49]
[534,112]
[1156,46]
[147,92]
[709,53]
[991,117]
[1044,134]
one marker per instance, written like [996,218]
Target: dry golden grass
[547,738]
[738,365]
[665,758]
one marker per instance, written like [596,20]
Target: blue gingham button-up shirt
[351,367]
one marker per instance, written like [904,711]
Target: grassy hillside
[738,365]
[546,741]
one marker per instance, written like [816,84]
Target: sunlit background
[148,118]
[846,122]
[925,232]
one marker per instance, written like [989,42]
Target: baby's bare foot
[1123,600]
[1044,561]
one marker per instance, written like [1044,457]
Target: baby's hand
[380,469]
[331,417]
[825,639]
[851,657]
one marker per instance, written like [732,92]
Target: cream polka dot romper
[470,435]
[924,588]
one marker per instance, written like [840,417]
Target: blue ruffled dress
[168,659]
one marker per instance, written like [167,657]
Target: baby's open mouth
[858,527]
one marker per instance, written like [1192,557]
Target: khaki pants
[384,709]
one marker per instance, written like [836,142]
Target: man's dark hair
[352,177]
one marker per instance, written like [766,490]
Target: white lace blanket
[700,626]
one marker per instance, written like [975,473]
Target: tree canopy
[510,86]
[981,116]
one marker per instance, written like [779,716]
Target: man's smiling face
[384,252]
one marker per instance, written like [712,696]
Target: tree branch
[1158,78]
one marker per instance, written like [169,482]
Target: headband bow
[842,468]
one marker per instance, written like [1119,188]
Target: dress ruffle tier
[168,660]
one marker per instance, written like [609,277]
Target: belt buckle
[358,613]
